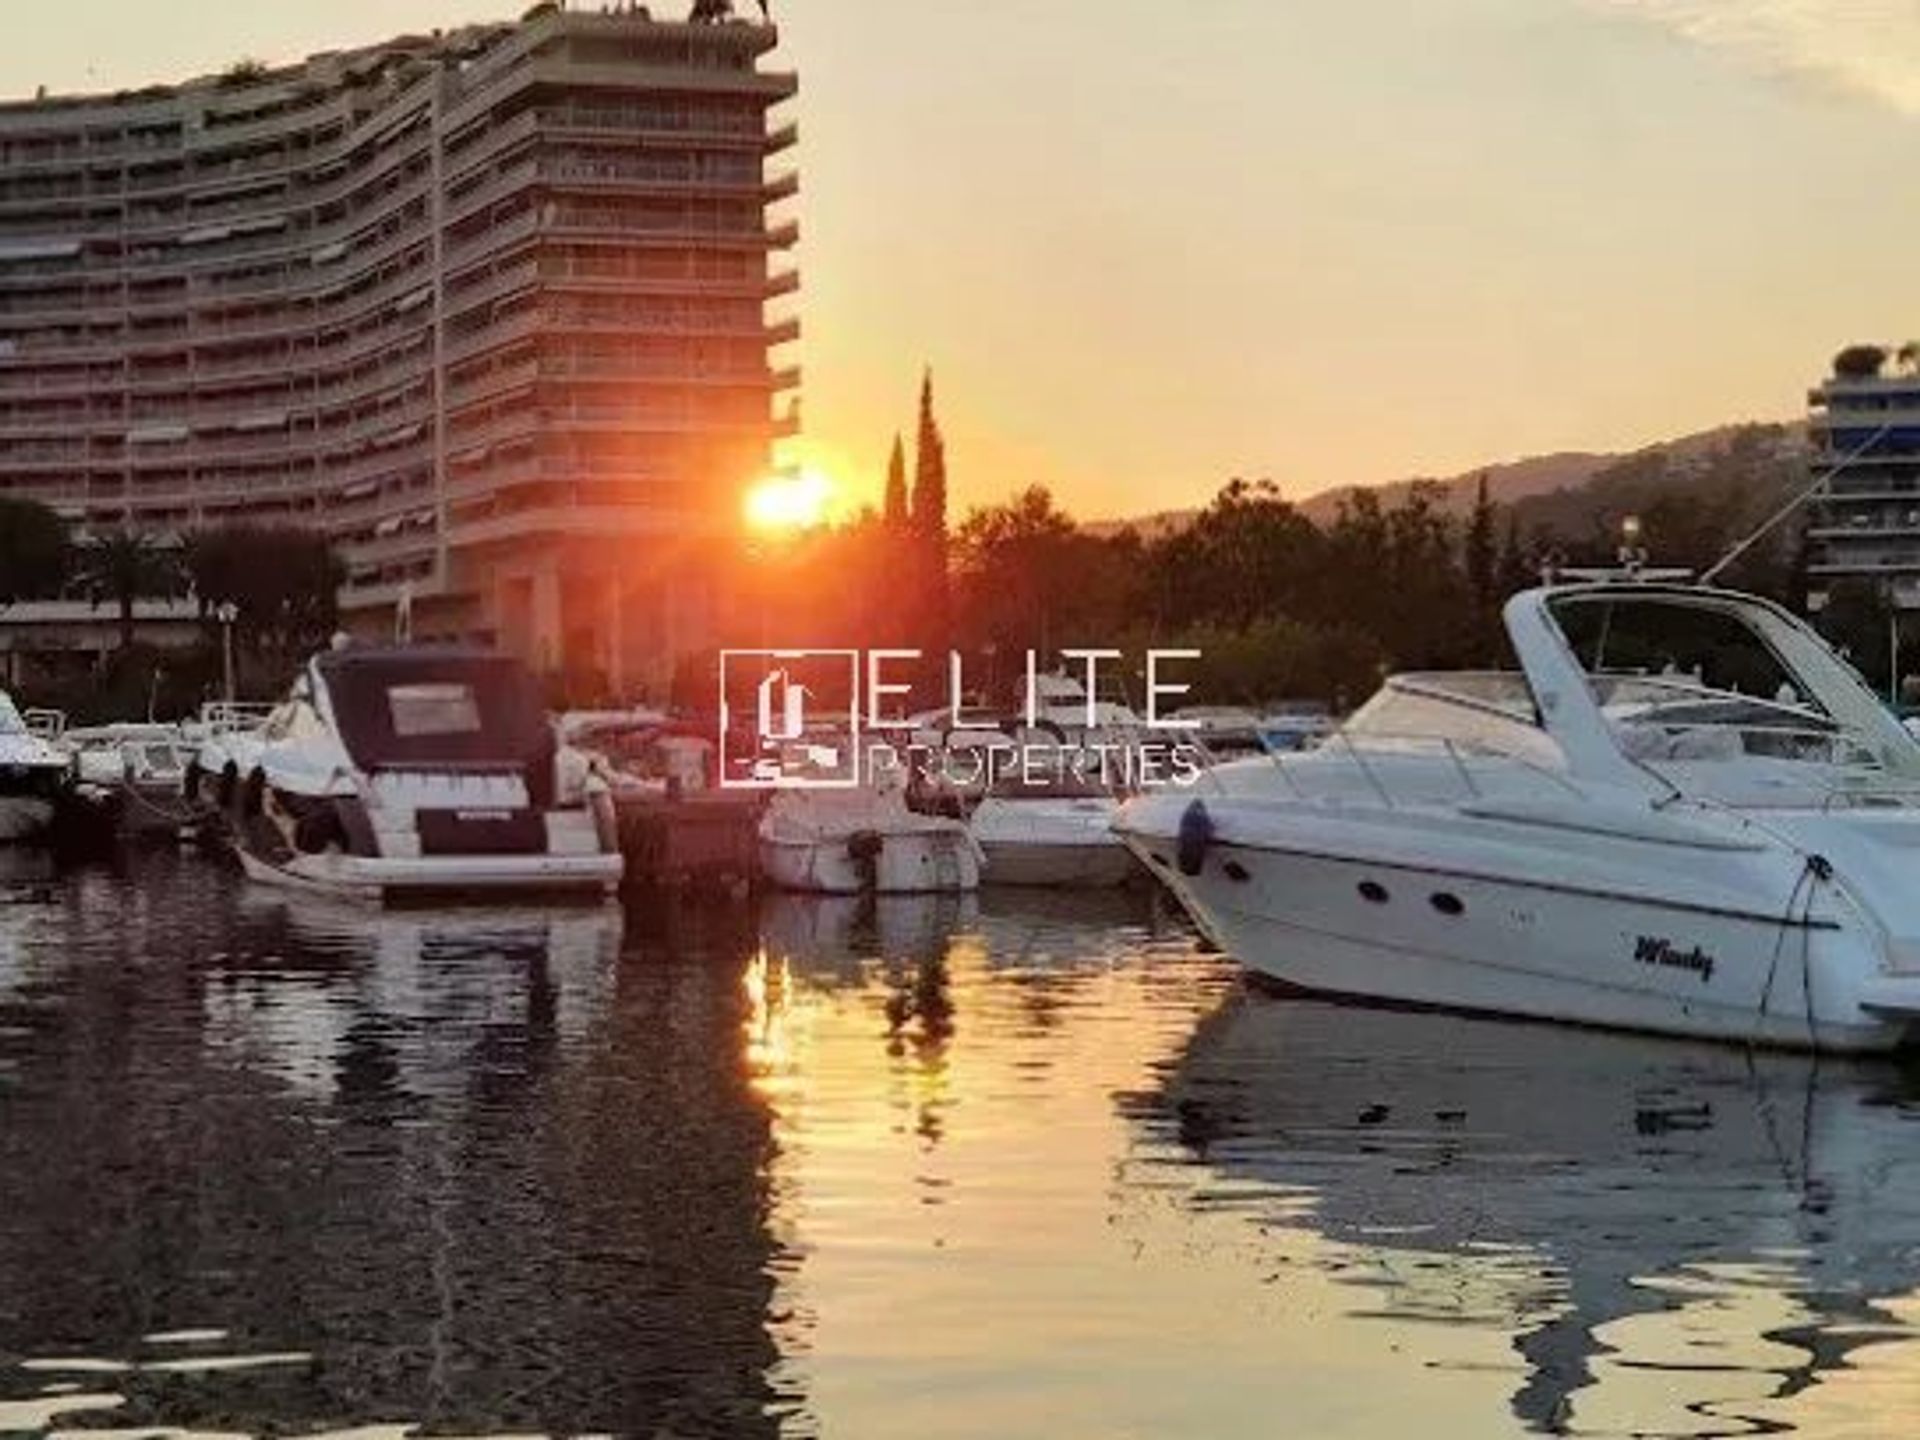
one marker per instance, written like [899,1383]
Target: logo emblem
[789,719]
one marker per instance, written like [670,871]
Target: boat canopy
[419,707]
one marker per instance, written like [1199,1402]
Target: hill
[1527,484]
[1540,475]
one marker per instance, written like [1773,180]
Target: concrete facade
[489,307]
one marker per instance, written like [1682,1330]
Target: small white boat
[864,840]
[35,775]
[389,772]
[1061,705]
[1059,836]
[1294,727]
[1684,814]
[141,768]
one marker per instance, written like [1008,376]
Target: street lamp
[226,612]
[1632,554]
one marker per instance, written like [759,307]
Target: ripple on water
[1014,1165]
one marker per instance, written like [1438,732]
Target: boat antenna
[1818,484]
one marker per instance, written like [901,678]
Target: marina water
[1019,1165]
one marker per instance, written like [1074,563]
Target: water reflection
[1677,1240]
[1019,1165]
[467,1171]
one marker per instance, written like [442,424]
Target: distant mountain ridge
[1515,480]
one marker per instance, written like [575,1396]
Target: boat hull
[24,817]
[376,879]
[1057,864]
[915,863]
[1373,930]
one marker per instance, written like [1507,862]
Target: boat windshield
[10,721]
[1718,678]
[1489,711]
[401,708]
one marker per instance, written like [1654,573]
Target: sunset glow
[790,502]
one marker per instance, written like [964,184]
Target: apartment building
[497,309]
[1864,425]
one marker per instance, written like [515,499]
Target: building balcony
[407,540]
[1865,566]
[495,239]
[577,76]
[593,521]
[1864,421]
[1848,534]
[497,381]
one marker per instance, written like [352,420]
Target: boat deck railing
[223,716]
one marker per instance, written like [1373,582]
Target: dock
[705,842]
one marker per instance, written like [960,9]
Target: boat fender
[1196,835]
[865,845]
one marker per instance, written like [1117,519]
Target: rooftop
[367,64]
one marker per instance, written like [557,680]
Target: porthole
[1374,891]
[1447,903]
[1235,870]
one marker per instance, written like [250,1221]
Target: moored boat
[412,770]
[139,768]
[864,840]
[1059,836]
[1682,814]
[35,776]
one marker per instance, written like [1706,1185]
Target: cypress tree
[894,509]
[930,472]
[929,520]
[1480,556]
[1514,571]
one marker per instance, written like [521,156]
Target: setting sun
[790,502]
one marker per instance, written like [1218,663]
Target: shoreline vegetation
[1283,604]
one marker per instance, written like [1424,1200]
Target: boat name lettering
[1653,950]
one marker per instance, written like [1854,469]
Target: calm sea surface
[1023,1166]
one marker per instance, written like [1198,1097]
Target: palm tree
[125,566]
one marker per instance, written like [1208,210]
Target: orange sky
[1147,247]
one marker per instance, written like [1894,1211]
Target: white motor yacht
[34,775]
[394,771]
[1058,835]
[864,840]
[1684,813]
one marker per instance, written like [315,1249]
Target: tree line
[1281,605]
[275,585]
